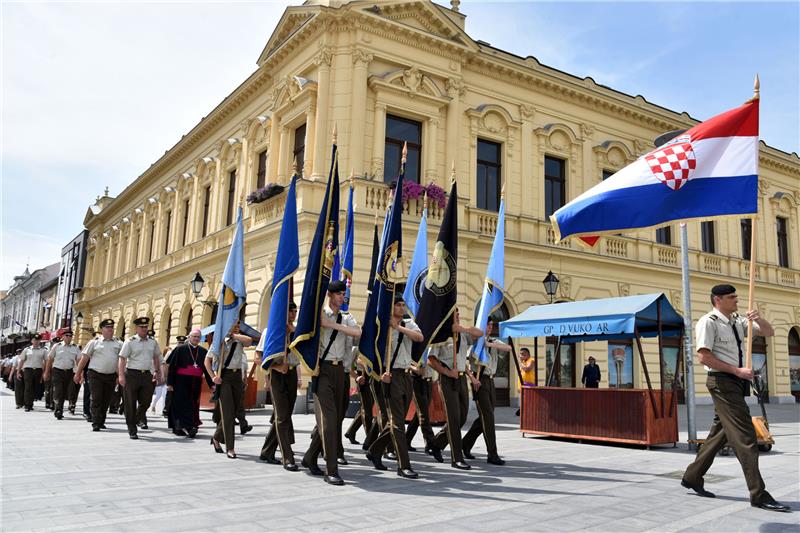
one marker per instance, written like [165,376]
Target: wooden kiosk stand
[635,416]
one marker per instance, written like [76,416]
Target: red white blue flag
[708,171]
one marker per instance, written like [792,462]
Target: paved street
[59,476]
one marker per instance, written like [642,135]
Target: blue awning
[247,329]
[593,320]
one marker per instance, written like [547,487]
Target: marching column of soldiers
[134,365]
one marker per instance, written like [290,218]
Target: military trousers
[327,406]
[485,400]
[101,386]
[32,376]
[62,385]
[455,397]
[382,418]
[19,388]
[283,388]
[732,425]
[394,431]
[231,391]
[364,416]
[422,388]
[137,396]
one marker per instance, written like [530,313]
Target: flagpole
[751,287]
[688,353]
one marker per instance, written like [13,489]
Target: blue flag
[419,267]
[233,293]
[493,286]
[347,254]
[388,273]
[287,262]
[318,272]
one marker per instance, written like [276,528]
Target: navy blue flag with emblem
[286,263]
[369,360]
[318,272]
[373,345]
[438,293]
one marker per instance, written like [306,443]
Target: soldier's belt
[136,370]
[334,362]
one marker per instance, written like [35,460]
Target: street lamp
[197,287]
[550,283]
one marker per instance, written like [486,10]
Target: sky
[95,92]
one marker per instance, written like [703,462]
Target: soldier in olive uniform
[719,335]
[364,416]
[30,366]
[337,331]
[396,385]
[485,397]
[102,356]
[60,365]
[138,356]
[227,371]
[450,361]
[284,379]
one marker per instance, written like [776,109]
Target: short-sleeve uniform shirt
[33,357]
[343,344]
[714,332]
[238,359]
[403,360]
[103,354]
[491,367]
[444,353]
[139,353]
[64,355]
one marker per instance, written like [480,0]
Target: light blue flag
[493,286]
[419,267]
[286,263]
[347,253]
[233,293]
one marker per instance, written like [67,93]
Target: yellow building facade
[386,71]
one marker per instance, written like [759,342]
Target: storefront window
[620,366]
[794,362]
[760,363]
[671,354]
[565,372]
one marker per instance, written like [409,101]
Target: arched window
[167,329]
[189,321]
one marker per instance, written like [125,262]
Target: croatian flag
[710,170]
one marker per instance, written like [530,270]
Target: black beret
[399,298]
[37,337]
[292,305]
[142,321]
[106,322]
[337,286]
[66,332]
[181,338]
[722,290]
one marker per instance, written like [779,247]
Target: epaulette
[713,317]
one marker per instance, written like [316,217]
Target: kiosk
[635,416]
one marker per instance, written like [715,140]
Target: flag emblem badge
[673,163]
[441,277]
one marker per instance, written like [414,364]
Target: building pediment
[422,16]
[293,19]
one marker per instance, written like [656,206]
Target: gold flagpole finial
[375,221]
[756,90]
[405,153]
[335,133]
[503,191]
[453,172]
[424,199]
[352,177]
[294,166]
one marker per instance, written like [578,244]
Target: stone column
[283,155]
[529,199]
[455,90]
[309,145]
[429,152]
[274,149]
[322,135]
[358,111]
[378,140]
